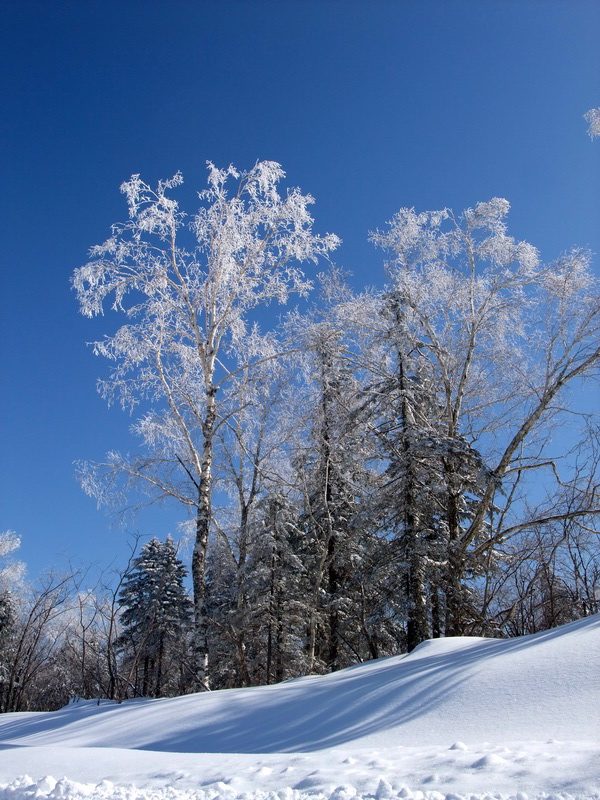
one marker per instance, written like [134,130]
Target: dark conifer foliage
[7,631]
[156,621]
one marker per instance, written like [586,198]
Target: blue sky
[369,106]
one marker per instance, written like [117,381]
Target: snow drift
[492,714]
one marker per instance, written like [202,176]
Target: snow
[457,718]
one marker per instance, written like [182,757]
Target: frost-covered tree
[592,117]
[405,420]
[551,572]
[284,588]
[11,571]
[155,618]
[11,574]
[188,290]
[37,630]
[249,447]
[7,630]
[332,471]
[502,336]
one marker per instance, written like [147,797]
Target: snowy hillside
[457,717]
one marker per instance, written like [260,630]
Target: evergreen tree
[156,619]
[7,623]
[334,475]
[277,591]
[285,588]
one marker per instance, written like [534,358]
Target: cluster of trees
[383,467]
[133,636]
[128,637]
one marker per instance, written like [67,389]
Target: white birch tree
[187,305]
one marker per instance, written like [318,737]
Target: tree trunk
[455,611]
[272,583]
[203,520]
[334,632]
[436,615]
[243,672]
[159,667]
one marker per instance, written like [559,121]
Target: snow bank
[523,771]
[457,718]
[105,790]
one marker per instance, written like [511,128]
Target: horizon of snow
[456,718]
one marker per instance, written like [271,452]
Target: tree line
[383,467]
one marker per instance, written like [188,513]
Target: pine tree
[7,622]
[408,506]
[286,587]
[156,620]
[334,475]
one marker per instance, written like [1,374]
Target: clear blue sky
[369,106]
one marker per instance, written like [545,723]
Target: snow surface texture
[457,718]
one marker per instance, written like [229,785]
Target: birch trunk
[203,520]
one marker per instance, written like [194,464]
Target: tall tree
[407,427]
[504,336]
[333,473]
[188,335]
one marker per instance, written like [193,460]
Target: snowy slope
[456,717]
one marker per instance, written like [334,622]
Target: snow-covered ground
[457,718]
